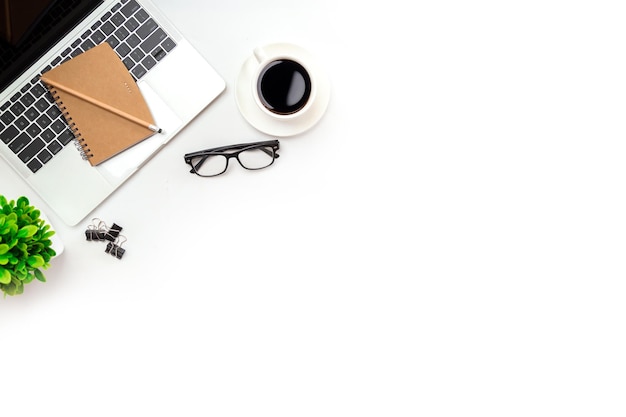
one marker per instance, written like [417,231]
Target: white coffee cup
[282,86]
[282,90]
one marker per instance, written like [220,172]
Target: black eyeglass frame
[233,151]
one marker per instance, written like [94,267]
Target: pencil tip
[155,129]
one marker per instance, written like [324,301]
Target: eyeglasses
[213,162]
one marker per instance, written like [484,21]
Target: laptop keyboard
[31,124]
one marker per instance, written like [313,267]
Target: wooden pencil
[102,105]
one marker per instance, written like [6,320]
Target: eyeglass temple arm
[273,143]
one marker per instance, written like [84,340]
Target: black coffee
[284,86]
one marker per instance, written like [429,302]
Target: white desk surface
[449,240]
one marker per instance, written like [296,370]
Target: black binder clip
[115,249]
[94,235]
[96,231]
[113,232]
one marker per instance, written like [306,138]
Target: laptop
[35,140]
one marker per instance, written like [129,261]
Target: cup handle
[259,54]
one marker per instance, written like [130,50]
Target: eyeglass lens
[255,158]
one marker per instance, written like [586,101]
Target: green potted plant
[25,245]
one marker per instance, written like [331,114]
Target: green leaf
[22,202]
[21,274]
[36,261]
[27,231]
[39,275]
[5,276]
[14,288]
[47,235]
[4,248]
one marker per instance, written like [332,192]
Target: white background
[449,240]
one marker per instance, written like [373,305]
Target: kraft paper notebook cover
[101,102]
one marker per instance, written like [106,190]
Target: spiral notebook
[101,103]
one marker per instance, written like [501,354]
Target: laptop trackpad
[186,81]
[122,166]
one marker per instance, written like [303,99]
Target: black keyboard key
[19,143]
[55,147]
[34,165]
[158,54]
[113,42]
[153,41]
[131,24]
[7,117]
[43,121]
[66,52]
[53,112]
[148,62]
[107,28]
[75,43]
[17,109]
[8,134]
[25,88]
[33,130]
[133,41]
[44,156]
[128,62]
[38,90]
[129,9]
[66,137]
[146,29]
[118,19]
[27,99]
[31,150]
[96,25]
[76,52]
[139,72]
[31,113]
[47,135]
[123,50]
[55,61]
[137,55]
[105,17]
[5,106]
[141,15]
[21,123]
[168,44]
[98,37]
[87,45]
[116,7]
[122,33]
[58,126]
[15,97]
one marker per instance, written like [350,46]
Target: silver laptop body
[177,87]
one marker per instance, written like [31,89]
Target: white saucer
[277,125]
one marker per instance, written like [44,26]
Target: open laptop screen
[26,33]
